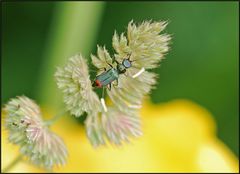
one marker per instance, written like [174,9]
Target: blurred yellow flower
[178,136]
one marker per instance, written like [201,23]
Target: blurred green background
[202,64]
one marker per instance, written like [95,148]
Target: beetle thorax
[121,69]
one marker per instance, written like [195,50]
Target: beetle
[108,76]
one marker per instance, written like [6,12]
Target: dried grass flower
[119,126]
[115,126]
[144,46]
[74,81]
[27,129]
[94,129]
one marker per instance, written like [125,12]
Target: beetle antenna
[129,56]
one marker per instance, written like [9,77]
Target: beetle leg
[115,85]
[109,86]
[117,62]
[113,60]
[93,83]
[110,65]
